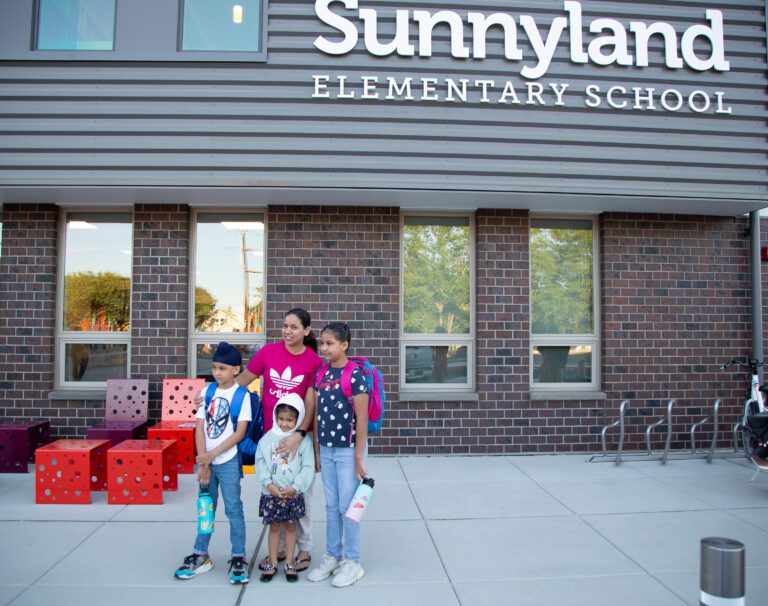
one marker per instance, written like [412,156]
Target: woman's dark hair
[286,408]
[340,330]
[306,321]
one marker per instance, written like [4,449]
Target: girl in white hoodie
[284,480]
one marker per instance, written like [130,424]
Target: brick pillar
[343,264]
[501,421]
[27,312]
[160,296]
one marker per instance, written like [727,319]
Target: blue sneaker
[193,565]
[238,569]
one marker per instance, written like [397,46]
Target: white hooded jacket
[285,472]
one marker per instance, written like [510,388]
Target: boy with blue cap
[219,465]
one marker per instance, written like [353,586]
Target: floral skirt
[275,509]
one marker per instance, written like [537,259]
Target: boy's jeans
[337,468]
[227,477]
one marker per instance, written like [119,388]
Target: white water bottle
[360,500]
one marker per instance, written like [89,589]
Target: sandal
[303,563]
[263,564]
[270,570]
[290,573]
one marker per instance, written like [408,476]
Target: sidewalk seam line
[429,532]
[250,567]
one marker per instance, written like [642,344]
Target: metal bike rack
[665,455]
[695,426]
[620,424]
[668,419]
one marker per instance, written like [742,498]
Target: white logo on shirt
[285,382]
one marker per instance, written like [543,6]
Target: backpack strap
[236,405]
[209,393]
[346,378]
[320,374]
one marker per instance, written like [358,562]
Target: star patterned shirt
[336,414]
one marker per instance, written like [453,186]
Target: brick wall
[27,314]
[160,295]
[676,306]
[340,263]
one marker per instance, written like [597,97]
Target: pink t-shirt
[281,373]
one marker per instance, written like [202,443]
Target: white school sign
[608,44]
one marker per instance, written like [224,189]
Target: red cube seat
[67,470]
[139,471]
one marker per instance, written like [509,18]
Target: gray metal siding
[256,125]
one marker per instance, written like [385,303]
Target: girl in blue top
[342,435]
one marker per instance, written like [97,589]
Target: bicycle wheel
[748,441]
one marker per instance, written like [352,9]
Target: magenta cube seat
[125,411]
[118,431]
[18,442]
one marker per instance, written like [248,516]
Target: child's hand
[198,401]
[204,474]
[205,458]
[360,469]
[287,492]
[274,491]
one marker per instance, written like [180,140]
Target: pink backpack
[376,395]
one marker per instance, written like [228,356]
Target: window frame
[593,339]
[196,338]
[145,30]
[67,337]
[467,340]
[260,55]
[36,34]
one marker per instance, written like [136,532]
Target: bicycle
[754,419]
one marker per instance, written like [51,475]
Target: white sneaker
[350,572]
[327,567]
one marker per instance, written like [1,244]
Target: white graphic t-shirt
[217,422]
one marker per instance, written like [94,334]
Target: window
[134,30]
[564,343]
[95,298]
[437,339]
[76,25]
[228,285]
[222,25]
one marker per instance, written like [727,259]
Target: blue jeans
[339,484]
[227,477]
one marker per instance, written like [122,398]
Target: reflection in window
[95,362]
[436,332]
[229,276]
[563,336]
[93,332]
[561,277]
[75,25]
[204,357]
[97,279]
[436,275]
[222,25]
[562,364]
[436,364]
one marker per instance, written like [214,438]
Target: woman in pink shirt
[289,366]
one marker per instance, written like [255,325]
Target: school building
[526,211]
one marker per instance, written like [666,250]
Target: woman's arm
[290,444]
[245,378]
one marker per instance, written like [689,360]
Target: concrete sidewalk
[474,531]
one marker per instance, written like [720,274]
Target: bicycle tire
[748,442]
